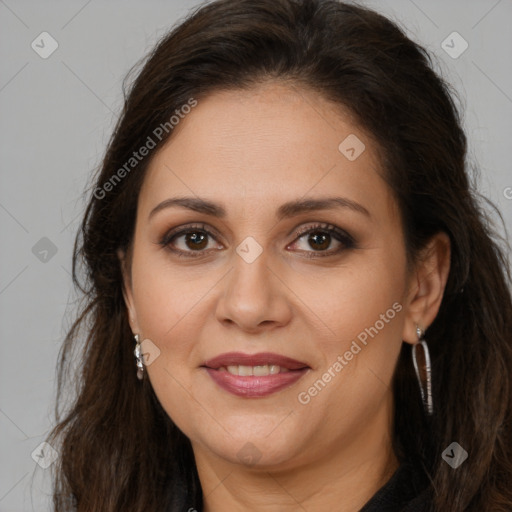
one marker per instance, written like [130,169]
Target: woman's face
[245,281]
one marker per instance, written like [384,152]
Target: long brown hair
[118,448]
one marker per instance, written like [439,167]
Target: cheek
[361,306]
[166,303]
[344,302]
[163,295]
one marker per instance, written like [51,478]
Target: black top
[406,491]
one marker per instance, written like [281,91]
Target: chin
[261,451]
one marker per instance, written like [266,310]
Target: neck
[341,478]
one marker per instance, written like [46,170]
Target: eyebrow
[286,210]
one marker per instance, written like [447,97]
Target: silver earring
[423,371]
[138,357]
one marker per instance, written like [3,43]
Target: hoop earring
[138,358]
[425,378]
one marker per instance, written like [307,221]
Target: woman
[284,234]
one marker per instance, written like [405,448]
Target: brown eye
[191,241]
[320,238]
[195,240]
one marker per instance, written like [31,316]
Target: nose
[254,297]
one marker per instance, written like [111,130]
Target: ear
[127,290]
[426,286]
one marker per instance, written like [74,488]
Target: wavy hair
[118,448]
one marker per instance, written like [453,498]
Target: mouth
[254,375]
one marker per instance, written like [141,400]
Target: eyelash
[340,235]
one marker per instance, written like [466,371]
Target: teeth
[276,369]
[257,371]
[244,371]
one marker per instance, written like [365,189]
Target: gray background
[56,116]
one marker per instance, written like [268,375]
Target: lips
[254,375]
[261,359]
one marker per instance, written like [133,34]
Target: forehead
[264,145]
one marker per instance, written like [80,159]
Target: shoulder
[406,491]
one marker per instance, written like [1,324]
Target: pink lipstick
[254,375]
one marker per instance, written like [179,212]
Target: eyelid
[182,230]
[323,226]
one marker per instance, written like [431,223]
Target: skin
[252,151]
